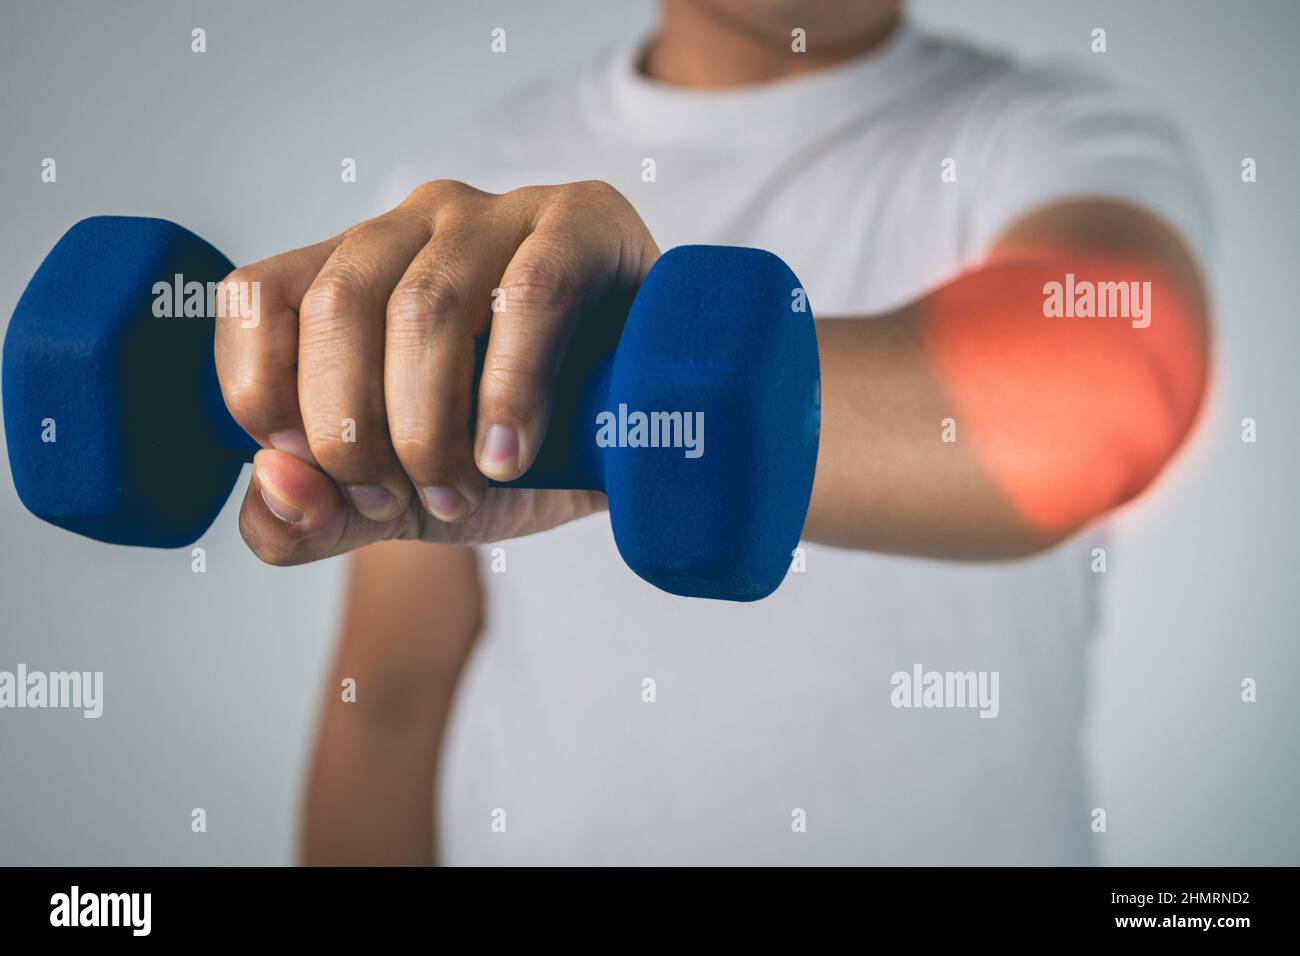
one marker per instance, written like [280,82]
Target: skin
[374,762]
[1059,422]
[381,323]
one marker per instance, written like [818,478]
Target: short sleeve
[1052,136]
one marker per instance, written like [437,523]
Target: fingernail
[500,446]
[446,504]
[277,505]
[373,501]
[292,442]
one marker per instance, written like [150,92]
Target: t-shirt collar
[655,109]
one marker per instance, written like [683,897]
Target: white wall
[212,679]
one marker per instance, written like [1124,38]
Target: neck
[700,48]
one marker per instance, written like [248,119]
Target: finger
[553,274]
[293,514]
[439,306]
[256,345]
[341,362]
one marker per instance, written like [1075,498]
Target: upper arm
[1054,140]
[1115,230]
[1096,181]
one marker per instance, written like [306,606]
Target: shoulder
[1000,92]
[1033,135]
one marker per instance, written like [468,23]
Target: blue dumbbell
[117,430]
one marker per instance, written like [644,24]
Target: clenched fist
[395,368]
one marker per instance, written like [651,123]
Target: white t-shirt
[772,736]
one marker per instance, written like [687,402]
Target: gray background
[211,680]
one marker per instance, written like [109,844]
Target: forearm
[370,794]
[970,425]
[412,614]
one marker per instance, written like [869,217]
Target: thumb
[294,513]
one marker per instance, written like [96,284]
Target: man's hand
[358,376]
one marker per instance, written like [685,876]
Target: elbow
[1165,399]
[1117,443]
[1168,406]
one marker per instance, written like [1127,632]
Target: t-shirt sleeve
[1051,137]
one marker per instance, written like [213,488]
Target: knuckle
[246,400]
[538,285]
[413,448]
[424,460]
[339,457]
[328,298]
[238,297]
[437,191]
[331,307]
[595,191]
[423,303]
[365,227]
[514,381]
[529,195]
[353,274]
[242,275]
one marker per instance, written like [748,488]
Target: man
[1013,339]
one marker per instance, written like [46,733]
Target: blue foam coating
[139,454]
[715,330]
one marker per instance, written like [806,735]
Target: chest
[866,223]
